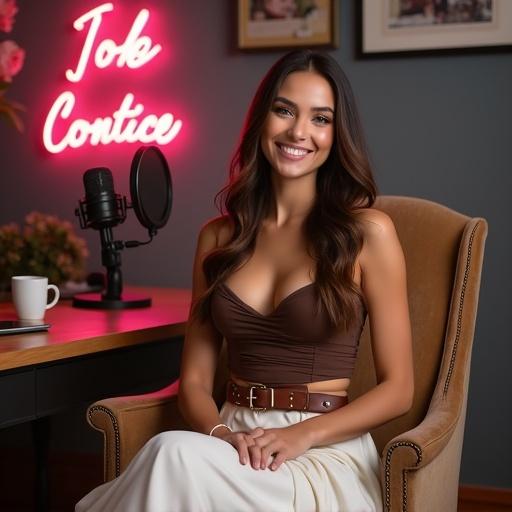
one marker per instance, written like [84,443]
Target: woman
[287,276]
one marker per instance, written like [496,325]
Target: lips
[292,152]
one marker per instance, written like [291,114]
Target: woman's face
[298,133]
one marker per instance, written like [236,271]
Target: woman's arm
[200,356]
[201,350]
[385,290]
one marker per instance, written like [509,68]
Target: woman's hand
[241,441]
[282,443]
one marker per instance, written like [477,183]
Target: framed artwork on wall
[275,24]
[425,26]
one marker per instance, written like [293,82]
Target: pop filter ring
[137,204]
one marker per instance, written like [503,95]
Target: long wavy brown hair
[344,182]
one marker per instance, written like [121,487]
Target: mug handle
[56,298]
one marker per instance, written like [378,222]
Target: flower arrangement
[46,246]
[11,62]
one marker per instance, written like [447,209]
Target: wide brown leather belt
[292,398]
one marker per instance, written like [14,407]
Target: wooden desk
[87,355]
[90,354]
[77,332]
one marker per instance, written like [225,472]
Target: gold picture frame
[264,24]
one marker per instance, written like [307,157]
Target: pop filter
[151,187]
[151,196]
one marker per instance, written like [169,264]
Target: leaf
[17,106]
[9,110]
[11,115]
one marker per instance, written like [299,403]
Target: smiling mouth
[292,151]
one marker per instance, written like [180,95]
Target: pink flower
[8,9]
[11,60]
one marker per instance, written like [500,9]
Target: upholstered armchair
[421,451]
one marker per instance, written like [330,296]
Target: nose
[298,129]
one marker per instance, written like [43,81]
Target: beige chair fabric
[421,451]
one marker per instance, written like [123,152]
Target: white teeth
[294,151]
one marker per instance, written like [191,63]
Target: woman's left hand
[283,443]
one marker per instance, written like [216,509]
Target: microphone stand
[112,296]
[111,260]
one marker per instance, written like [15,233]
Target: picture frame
[405,27]
[265,24]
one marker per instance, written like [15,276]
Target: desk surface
[76,332]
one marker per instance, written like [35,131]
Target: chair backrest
[436,242]
[433,238]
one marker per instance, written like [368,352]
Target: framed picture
[287,23]
[425,26]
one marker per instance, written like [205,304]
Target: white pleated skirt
[182,471]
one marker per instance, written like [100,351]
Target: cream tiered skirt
[191,472]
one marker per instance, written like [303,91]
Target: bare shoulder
[215,233]
[380,236]
[376,224]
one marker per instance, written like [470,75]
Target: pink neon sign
[130,122]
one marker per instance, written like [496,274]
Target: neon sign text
[136,50]
[122,126]
[127,123]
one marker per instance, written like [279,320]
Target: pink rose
[8,9]
[11,60]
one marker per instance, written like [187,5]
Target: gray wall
[438,127]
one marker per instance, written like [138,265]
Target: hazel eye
[282,111]
[322,120]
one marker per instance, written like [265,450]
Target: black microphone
[101,207]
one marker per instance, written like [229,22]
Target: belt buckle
[251,397]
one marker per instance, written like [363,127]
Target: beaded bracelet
[217,426]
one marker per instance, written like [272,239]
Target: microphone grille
[98,180]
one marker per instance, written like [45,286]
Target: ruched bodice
[293,344]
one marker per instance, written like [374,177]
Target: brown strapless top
[291,345]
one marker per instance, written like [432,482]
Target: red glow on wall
[130,121]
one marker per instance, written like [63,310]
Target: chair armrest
[128,422]
[416,448]
[424,442]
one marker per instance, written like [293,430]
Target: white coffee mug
[30,296]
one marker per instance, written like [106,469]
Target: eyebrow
[294,105]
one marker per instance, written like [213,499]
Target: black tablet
[20,326]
